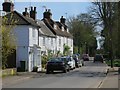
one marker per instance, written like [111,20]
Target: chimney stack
[62,20]
[33,13]
[47,14]
[8,6]
[26,13]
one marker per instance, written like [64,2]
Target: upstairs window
[33,33]
[59,42]
[67,30]
[43,41]
[51,41]
[62,28]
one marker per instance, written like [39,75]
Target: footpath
[112,79]
[21,76]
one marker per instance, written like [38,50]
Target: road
[88,76]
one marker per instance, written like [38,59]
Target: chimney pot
[47,14]
[62,20]
[31,8]
[35,9]
[49,10]
[25,13]
[25,9]
[8,6]
[33,13]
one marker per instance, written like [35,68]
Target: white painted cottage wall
[33,36]
[22,35]
[25,42]
[48,45]
[60,46]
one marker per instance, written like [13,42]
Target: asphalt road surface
[88,76]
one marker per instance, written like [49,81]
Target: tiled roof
[45,30]
[49,23]
[21,19]
[68,34]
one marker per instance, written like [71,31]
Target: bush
[116,62]
[44,60]
[35,68]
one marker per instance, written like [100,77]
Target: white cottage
[60,30]
[28,50]
[46,39]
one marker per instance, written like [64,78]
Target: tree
[7,38]
[83,31]
[75,49]
[107,15]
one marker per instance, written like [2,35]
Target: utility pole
[110,36]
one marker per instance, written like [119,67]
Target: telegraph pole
[110,37]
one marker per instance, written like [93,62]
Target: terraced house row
[36,37]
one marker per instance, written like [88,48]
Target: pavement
[112,79]
[21,76]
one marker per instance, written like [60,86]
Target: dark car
[85,57]
[56,64]
[99,58]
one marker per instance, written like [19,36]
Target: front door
[31,62]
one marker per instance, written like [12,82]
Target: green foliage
[66,50]
[8,39]
[83,31]
[75,49]
[116,62]
[108,16]
[44,59]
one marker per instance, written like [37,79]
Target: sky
[58,9]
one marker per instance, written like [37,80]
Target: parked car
[78,62]
[85,57]
[98,57]
[56,64]
[70,61]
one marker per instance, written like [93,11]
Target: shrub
[35,68]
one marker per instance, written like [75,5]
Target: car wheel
[52,71]
[47,72]
[64,71]
[68,69]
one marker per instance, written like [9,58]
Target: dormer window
[62,28]
[67,30]
[55,26]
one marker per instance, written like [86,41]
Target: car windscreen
[54,60]
[64,59]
